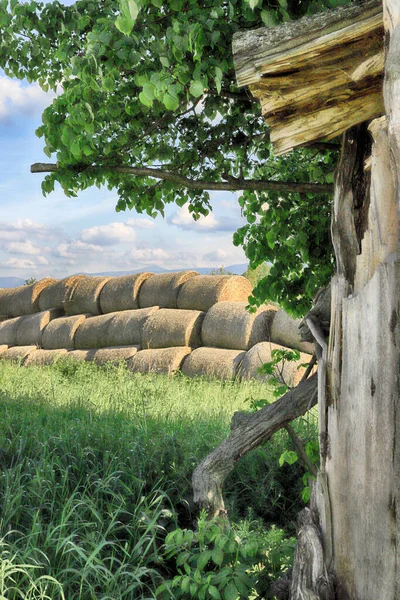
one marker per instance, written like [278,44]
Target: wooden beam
[315,77]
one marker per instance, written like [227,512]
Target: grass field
[96,467]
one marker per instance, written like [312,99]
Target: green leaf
[203,559]
[217,556]
[269,18]
[231,592]
[170,102]
[213,592]
[145,100]
[289,456]
[196,88]
[76,150]
[125,23]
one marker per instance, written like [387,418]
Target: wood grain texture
[316,77]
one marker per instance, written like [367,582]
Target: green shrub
[225,563]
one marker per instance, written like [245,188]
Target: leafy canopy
[147,104]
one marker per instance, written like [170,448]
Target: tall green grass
[96,467]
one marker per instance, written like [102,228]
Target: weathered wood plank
[316,77]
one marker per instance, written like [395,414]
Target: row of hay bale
[179,321]
[80,294]
[215,363]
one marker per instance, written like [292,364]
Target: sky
[57,236]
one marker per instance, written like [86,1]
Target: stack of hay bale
[162,323]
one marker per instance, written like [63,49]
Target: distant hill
[8,282]
[235,269]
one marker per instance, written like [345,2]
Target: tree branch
[248,430]
[233,184]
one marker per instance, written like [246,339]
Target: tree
[348,539]
[149,107]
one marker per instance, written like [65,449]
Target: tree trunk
[354,518]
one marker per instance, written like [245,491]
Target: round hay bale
[56,293]
[44,357]
[3,348]
[116,354]
[169,327]
[23,300]
[285,331]
[60,333]
[92,332]
[121,293]
[285,371]
[202,292]
[3,317]
[162,289]
[5,301]
[31,327]
[8,331]
[213,363]
[80,355]
[85,296]
[230,325]
[17,353]
[114,329]
[161,360]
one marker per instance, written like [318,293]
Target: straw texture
[163,360]
[122,293]
[17,353]
[214,363]
[44,357]
[85,296]
[23,300]
[60,333]
[55,295]
[286,372]
[114,329]
[162,290]
[230,325]
[8,331]
[285,331]
[3,318]
[3,348]
[80,355]
[202,292]
[170,327]
[31,327]
[114,355]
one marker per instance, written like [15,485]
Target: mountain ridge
[237,269]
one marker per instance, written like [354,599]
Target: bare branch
[232,185]
[247,432]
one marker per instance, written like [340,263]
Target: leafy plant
[225,563]
[149,107]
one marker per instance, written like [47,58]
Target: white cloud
[22,248]
[141,223]
[215,255]
[15,98]
[24,229]
[109,235]
[77,248]
[148,255]
[26,263]
[183,219]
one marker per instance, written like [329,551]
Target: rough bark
[247,432]
[357,489]
[315,77]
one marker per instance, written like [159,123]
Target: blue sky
[56,236]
